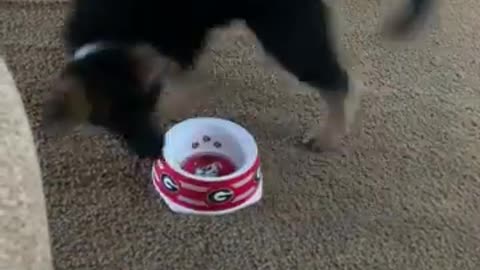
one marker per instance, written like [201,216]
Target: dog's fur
[117,85]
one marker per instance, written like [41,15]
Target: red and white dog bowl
[210,166]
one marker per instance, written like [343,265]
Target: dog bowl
[210,166]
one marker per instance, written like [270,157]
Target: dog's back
[176,22]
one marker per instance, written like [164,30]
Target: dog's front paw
[322,143]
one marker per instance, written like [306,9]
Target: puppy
[121,52]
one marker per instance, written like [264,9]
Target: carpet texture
[405,195]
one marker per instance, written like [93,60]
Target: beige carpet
[405,196]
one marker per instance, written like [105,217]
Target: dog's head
[115,88]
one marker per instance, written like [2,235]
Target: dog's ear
[67,106]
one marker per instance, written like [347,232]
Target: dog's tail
[406,21]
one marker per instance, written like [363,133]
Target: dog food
[209,165]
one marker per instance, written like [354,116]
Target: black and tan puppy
[120,52]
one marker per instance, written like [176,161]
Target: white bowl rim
[227,124]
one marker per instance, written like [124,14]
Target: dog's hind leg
[298,38]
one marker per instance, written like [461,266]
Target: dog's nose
[150,155]
[147,147]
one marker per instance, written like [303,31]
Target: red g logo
[258,175]
[220,196]
[169,183]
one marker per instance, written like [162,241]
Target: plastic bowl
[209,166]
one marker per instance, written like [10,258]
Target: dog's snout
[147,144]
